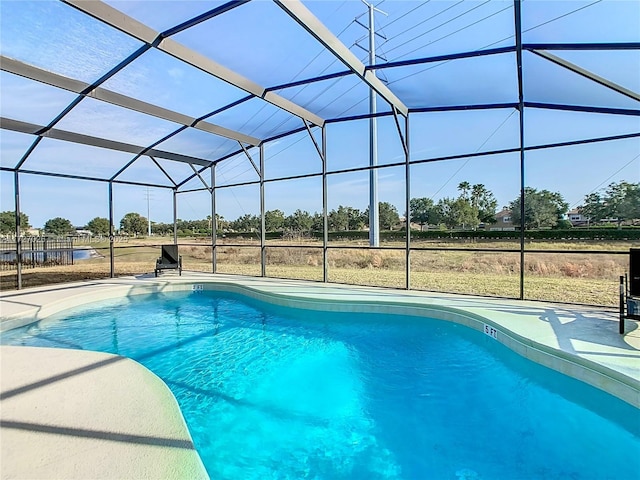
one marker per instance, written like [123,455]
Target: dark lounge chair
[169,259]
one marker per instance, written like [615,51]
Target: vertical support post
[407,204]
[374,221]
[263,250]
[325,220]
[214,221]
[518,30]
[112,265]
[175,216]
[148,212]
[522,207]
[16,179]
[621,324]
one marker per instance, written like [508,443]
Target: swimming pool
[269,392]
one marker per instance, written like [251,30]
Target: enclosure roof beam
[115,18]
[454,108]
[317,29]
[248,155]
[214,12]
[189,178]
[81,177]
[443,58]
[402,136]
[587,74]
[40,131]
[34,73]
[582,46]
[164,171]
[201,179]
[583,108]
[315,143]
[465,55]
[399,63]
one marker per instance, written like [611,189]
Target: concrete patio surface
[76,414]
[72,414]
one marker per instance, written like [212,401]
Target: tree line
[619,202]
[474,205]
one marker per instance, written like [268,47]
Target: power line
[575,204]
[427,19]
[561,16]
[468,160]
[297,75]
[481,48]
[499,41]
[439,26]
[238,202]
[318,95]
[433,66]
[389,83]
[437,40]
[293,97]
[334,82]
[321,52]
[544,23]
[342,95]
[274,130]
[232,164]
[405,14]
[276,67]
[457,31]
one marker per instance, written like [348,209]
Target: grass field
[580,277]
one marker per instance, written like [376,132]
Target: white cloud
[176,73]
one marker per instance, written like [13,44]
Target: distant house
[503,222]
[82,232]
[25,232]
[576,218]
[414,226]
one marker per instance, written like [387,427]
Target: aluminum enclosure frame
[301,15]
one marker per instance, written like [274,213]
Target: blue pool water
[269,392]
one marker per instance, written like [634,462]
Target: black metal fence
[36,252]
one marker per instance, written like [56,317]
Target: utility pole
[374,221]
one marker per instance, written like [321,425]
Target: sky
[259,41]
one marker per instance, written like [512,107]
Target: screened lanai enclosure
[449,146]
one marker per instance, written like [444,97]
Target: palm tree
[464,187]
[477,191]
[484,202]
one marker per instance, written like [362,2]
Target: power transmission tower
[374,220]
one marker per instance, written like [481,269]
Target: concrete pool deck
[73,414]
[77,414]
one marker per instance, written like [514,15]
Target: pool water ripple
[274,393]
